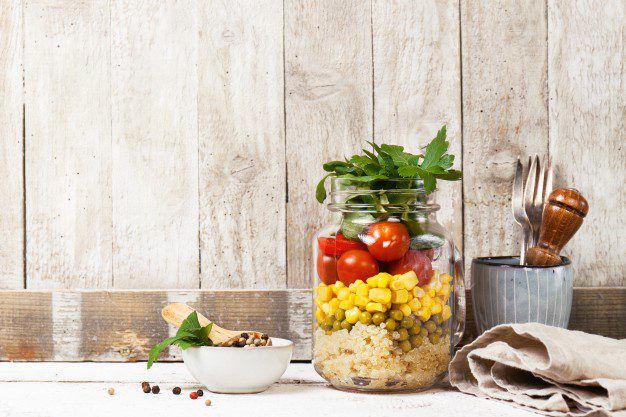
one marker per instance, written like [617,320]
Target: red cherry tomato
[338,245]
[387,241]
[356,264]
[326,268]
[414,260]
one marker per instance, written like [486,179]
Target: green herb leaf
[190,333]
[333,165]
[320,190]
[354,224]
[450,175]
[387,162]
[435,149]
[408,171]
[157,349]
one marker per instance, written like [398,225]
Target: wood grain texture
[417,85]
[68,389]
[11,146]
[504,69]
[68,144]
[587,78]
[124,325]
[155,144]
[242,145]
[328,103]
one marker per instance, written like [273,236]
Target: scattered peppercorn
[176,390]
[200,393]
[111,391]
[146,389]
[193,395]
[144,384]
[156,389]
[207,402]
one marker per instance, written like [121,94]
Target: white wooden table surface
[80,389]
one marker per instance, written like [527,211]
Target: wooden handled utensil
[175,313]
[562,216]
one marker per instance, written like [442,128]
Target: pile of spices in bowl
[248,340]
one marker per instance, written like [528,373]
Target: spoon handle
[562,216]
[175,313]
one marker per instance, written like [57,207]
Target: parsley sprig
[190,333]
[386,162]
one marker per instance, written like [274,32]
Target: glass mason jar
[389,300]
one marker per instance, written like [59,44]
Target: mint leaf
[190,333]
[157,349]
[191,322]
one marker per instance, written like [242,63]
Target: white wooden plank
[11,146]
[303,397]
[587,85]
[162,372]
[68,144]
[328,78]
[504,114]
[155,144]
[417,85]
[242,145]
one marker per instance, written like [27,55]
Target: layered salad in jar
[383,307]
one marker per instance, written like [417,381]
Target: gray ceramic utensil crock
[505,292]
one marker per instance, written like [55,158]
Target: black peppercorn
[156,389]
[244,335]
[176,390]
[200,393]
[146,388]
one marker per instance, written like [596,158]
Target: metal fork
[536,191]
[519,213]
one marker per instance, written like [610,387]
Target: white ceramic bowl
[233,370]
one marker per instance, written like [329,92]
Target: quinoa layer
[366,358]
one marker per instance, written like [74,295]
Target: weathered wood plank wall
[177,146]
[11,146]
[67,144]
[242,160]
[154,88]
[587,107]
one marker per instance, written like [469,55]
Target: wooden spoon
[175,313]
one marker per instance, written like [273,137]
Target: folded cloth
[545,369]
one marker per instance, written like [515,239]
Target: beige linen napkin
[545,369]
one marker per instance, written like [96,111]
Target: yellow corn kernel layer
[384,292]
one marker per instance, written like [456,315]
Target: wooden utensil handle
[562,216]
